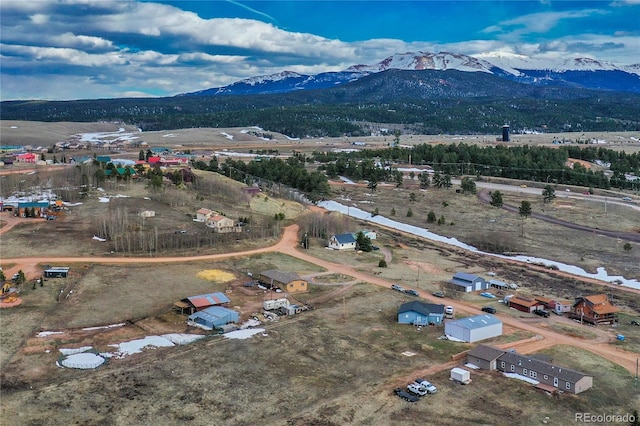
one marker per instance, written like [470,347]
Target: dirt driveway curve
[288,244]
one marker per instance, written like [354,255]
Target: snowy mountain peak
[418,61]
[283,75]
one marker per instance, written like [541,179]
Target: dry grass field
[334,365]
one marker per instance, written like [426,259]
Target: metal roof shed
[473,329]
[214,316]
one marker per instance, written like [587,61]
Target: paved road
[627,236]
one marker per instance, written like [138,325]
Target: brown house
[286,282]
[222,224]
[484,357]
[524,304]
[596,309]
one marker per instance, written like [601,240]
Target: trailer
[460,375]
[275,304]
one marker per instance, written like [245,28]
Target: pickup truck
[426,385]
[416,389]
[396,288]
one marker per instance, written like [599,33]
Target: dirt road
[289,243]
[627,236]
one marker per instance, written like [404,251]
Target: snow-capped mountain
[432,61]
[583,73]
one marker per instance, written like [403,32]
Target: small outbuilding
[287,282]
[56,272]
[467,283]
[473,329]
[214,316]
[498,284]
[420,313]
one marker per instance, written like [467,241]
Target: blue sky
[73,49]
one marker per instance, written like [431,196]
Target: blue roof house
[215,316]
[342,242]
[467,283]
[420,313]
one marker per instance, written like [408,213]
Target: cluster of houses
[539,369]
[595,309]
[219,223]
[469,329]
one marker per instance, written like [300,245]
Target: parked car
[426,385]
[412,292]
[438,294]
[634,322]
[416,389]
[375,248]
[396,287]
[405,395]
[626,199]
[489,309]
[448,310]
[489,295]
[542,313]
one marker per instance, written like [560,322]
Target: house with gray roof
[473,329]
[538,367]
[420,313]
[485,357]
[548,374]
[467,283]
[285,281]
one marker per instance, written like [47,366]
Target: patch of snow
[75,350]
[122,324]
[243,334]
[136,346]
[64,203]
[169,135]
[454,339]
[48,333]
[103,199]
[146,198]
[472,366]
[14,127]
[250,323]
[182,338]
[227,135]
[601,273]
[83,361]
[346,180]
[95,237]
[521,377]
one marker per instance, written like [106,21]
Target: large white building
[474,329]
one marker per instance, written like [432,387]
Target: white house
[342,242]
[203,214]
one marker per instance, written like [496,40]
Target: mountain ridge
[585,73]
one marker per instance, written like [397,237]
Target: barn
[214,316]
[286,282]
[201,302]
[467,283]
[420,313]
[473,329]
[524,304]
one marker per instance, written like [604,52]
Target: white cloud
[538,22]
